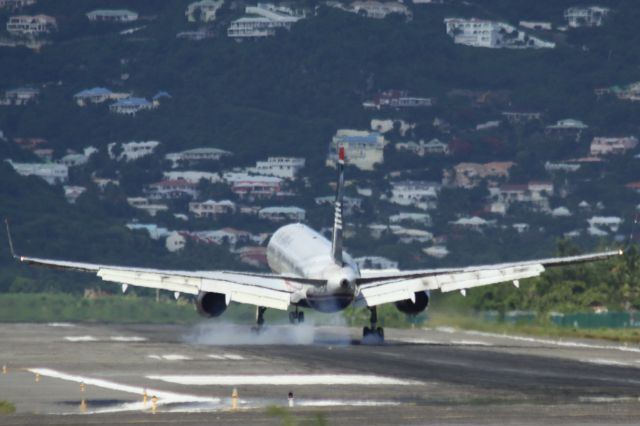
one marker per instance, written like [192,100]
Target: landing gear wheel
[296,317]
[373,335]
[259,327]
[292,318]
[300,317]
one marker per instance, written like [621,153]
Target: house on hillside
[131,151]
[514,117]
[211,208]
[171,190]
[196,155]
[363,149]
[474,223]
[254,187]
[143,203]
[262,21]
[97,95]
[469,175]
[31,26]
[379,10]
[375,262]
[16,4]
[53,174]
[586,16]
[420,194]
[193,176]
[281,214]
[491,34]
[131,106]
[433,147]
[283,167]
[397,99]
[203,10]
[112,15]
[612,146]
[20,96]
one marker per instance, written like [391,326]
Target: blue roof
[370,138]
[132,102]
[161,95]
[96,91]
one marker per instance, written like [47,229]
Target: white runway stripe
[283,379]
[80,339]
[164,397]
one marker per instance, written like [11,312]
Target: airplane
[309,271]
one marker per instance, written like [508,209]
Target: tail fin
[336,241]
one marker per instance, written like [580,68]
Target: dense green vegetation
[287,96]
[7,408]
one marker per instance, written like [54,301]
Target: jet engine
[411,307]
[211,304]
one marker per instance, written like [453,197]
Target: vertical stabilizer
[336,241]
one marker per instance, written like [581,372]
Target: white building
[131,106]
[536,25]
[379,10]
[211,208]
[204,10]
[409,236]
[143,203]
[281,214]
[420,218]
[363,149]
[612,223]
[15,4]
[422,148]
[171,190]
[284,167]
[112,15]
[196,155]
[612,146]
[192,176]
[52,173]
[131,151]
[490,34]
[175,242]
[423,195]
[31,26]
[568,124]
[72,192]
[155,232]
[262,21]
[98,95]
[375,262]
[438,252]
[475,223]
[586,16]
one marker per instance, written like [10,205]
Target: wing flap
[164,281]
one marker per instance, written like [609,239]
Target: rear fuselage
[298,250]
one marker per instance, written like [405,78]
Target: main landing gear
[373,335]
[296,317]
[259,327]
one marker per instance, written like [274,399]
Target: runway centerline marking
[283,379]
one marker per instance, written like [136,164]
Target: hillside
[287,95]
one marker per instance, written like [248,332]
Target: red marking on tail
[341,153]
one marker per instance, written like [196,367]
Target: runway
[421,376]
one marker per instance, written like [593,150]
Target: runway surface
[421,376]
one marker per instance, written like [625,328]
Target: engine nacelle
[412,308]
[211,305]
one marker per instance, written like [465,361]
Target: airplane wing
[378,287]
[267,290]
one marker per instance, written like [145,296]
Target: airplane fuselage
[298,250]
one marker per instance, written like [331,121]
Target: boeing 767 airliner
[312,272]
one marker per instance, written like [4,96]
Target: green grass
[7,408]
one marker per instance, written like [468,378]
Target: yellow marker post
[83,406]
[4,369]
[154,404]
[83,387]
[234,399]
[144,399]
[37,377]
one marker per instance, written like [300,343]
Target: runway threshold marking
[284,379]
